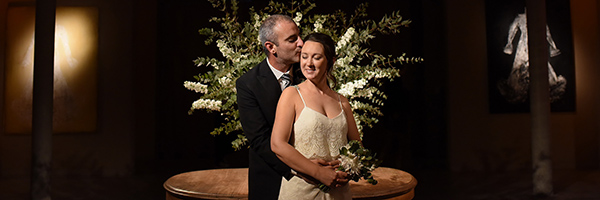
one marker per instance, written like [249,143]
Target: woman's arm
[284,120]
[353,133]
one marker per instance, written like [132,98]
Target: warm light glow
[75,64]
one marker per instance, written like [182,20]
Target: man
[258,92]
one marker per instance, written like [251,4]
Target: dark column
[43,81]
[540,97]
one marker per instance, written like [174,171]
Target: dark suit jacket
[258,92]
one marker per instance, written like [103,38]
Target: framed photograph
[75,70]
[508,59]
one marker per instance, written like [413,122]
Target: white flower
[344,61]
[377,73]
[196,86]
[319,24]
[358,122]
[207,104]
[257,21]
[298,18]
[351,163]
[354,104]
[345,39]
[225,50]
[349,88]
[213,64]
[224,80]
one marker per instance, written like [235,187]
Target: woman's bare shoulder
[345,102]
[289,94]
[289,91]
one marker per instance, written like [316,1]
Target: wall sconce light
[75,69]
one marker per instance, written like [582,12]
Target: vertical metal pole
[540,97]
[43,82]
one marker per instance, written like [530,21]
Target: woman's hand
[322,163]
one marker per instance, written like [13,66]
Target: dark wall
[435,116]
[181,137]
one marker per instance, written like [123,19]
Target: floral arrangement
[357,162]
[359,71]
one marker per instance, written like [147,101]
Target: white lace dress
[316,136]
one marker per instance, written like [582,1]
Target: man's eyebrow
[291,37]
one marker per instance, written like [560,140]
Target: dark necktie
[284,81]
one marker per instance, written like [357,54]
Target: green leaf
[343,151]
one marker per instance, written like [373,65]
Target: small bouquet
[357,162]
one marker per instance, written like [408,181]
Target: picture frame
[508,63]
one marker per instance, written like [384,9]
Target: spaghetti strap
[298,89]
[340,101]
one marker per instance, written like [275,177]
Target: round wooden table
[233,184]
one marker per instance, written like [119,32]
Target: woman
[312,123]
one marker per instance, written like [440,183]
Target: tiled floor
[571,185]
[88,189]
[568,185]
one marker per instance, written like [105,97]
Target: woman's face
[313,61]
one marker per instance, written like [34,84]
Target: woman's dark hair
[328,49]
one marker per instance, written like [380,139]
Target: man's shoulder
[253,72]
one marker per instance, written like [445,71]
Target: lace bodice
[317,136]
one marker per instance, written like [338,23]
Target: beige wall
[586,41]
[109,151]
[482,141]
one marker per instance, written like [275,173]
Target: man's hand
[337,181]
[335,163]
[310,179]
[341,178]
[324,163]
[307,178]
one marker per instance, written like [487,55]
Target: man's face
[289,43]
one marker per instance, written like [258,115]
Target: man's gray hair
[266,32]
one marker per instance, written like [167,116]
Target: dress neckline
[324,115]
[321,114]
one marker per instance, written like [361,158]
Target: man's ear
[271,47]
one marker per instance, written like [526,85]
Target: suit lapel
[268,81]
[271,91]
